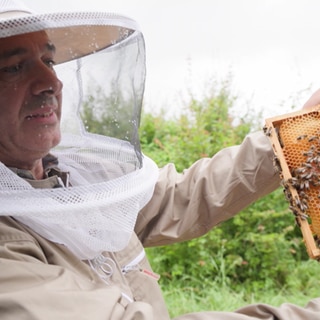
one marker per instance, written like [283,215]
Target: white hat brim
[74,34]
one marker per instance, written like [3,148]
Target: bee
[310,159]
[294,210]
[308,153]
[298,222]
[307,175]
[303,207]
[303,136]
[313,159]
[298,214]
[304,185]
[293,180]
[276,164]
[303,216]
[267,131]
[312,138]
[297,201]
[283,183]
[307,185]
[287,193]
[305,203]
[303,195]
[308,165]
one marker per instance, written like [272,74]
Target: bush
[260,248]
[200,131]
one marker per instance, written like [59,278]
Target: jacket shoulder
[16,242]
[12,230]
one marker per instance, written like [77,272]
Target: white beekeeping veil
[101,62]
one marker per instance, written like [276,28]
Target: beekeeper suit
[78,205]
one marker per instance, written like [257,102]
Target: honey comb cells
[295,139]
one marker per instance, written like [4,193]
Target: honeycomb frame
[294,176]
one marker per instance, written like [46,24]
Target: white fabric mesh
[88,217]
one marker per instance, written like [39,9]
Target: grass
[184,300]
[194,295]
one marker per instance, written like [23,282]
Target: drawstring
[103,266]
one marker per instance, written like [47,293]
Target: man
[70,201]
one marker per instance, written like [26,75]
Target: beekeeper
[78,206]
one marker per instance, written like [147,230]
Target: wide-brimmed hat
[75,34]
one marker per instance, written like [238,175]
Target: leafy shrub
[200,131]
[260,248]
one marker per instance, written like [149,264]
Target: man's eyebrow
[51,47]
[19,51]
[14,52]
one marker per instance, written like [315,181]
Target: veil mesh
[102,66]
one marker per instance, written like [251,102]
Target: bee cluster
[305,179]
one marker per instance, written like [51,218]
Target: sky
[269,49]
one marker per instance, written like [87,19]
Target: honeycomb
[300,140]
[295,139]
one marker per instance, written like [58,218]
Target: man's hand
[313,101]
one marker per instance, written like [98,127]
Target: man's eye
[12,69]
[50,63]
[11,73]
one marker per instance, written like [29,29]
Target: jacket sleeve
[187,205]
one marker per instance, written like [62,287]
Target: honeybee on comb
[295,139]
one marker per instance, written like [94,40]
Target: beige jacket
[42,280]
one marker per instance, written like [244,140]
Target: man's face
[30,98]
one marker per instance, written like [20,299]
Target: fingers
[313,101]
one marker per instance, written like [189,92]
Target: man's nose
[45,81]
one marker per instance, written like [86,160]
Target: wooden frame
[271,129]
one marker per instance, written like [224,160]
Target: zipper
[134,265]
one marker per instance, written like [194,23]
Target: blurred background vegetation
[257,256]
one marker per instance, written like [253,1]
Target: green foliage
[200,131]
[110,115]
[259,249]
